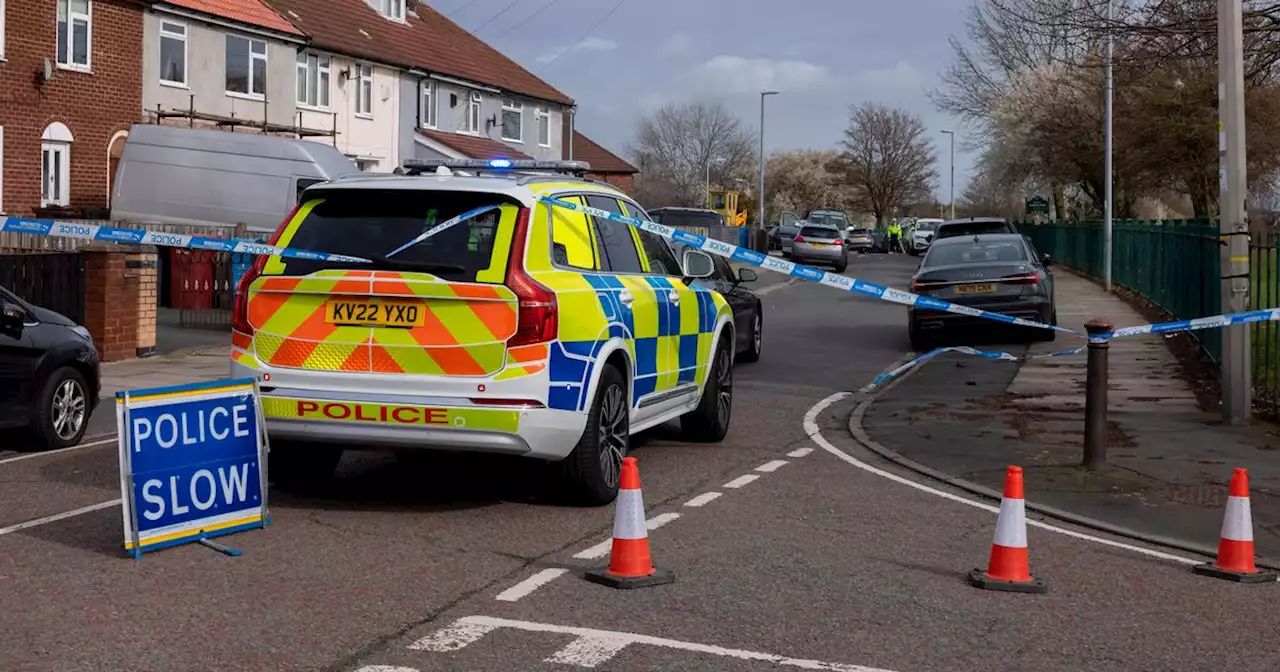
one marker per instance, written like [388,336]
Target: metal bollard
[1095,395]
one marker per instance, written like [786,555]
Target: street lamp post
[760,196]
[1107,188]
[952,197]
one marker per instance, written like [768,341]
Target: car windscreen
[682,220]
[971,228]
[926,226]
[828,218]
[976,252]
[819,232]
[372,223]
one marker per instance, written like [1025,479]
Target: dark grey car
[973,225]
[997,272]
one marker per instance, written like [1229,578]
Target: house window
[471,124]
[313,80]
[512,120]
[246,66]
[55,165]
[544,125]
[173,53]
[75,29]
[364,89]
[427,115]
[393,9]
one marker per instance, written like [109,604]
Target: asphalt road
[448,564]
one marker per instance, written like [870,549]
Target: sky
[821,55]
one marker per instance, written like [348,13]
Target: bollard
[1095,395]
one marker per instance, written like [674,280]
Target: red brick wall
[623,181]
[110,307]
[94,106]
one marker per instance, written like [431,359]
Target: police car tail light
[537,318]
[240,305]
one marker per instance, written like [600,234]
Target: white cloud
[737,75]
[677,45]
[589,44]
[901,79]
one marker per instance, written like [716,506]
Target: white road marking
[771,466]
[800,452]
[46,453]
[601,645]
[811,428]
[531,584]
[58,516]
[741,481]
[703,499]
[602,549]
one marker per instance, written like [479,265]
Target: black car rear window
[371,223]
[971,228]
[820,232]
[980,252]
[682,220]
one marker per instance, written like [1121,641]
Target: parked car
[833,218]
[685,218]
[973,225]
[859,239]
[997,272]
[49,376]
[786,227]
[785,235]
[917,241]
[820,245]
[748,310]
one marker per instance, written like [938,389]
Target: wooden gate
[54,281]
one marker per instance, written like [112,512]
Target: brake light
[537,318]
[799,238]
[1023,279]
[918,285]
[837,241]
[240,304]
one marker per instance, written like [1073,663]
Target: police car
[488,320]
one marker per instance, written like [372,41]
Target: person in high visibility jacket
[895,237]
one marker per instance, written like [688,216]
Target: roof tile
[601,159]
[475,147]
[250,12]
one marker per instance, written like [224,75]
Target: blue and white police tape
[966,350]
[801,271]
[1211,322]
[443,226]
[112,234]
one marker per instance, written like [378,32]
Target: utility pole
[1106,208]
[1237,392]
[953,172]
[760,196]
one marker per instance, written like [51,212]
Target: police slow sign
[190,463]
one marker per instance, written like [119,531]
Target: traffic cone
[630,565]
[1008,568]
[1235,545]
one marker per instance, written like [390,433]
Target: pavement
[1169,463]
[792,546]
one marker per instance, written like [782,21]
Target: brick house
[605,165]
[69,90]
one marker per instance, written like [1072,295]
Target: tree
[804,180]
[886,157]
[680,142]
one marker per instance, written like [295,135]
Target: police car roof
[515,185]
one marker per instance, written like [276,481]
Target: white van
[195,177]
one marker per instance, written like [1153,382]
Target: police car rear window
[371,223]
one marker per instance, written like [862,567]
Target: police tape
[1211,322]
[801,271]
[112,234]
[965,350]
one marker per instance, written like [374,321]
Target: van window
[370,224]
[572,239]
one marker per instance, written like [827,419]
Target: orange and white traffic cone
[1235,545]
[1008,569]
[630,565]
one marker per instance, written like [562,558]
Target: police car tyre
[62,409]
[593,469]
[296,463]
[752,353]
[710,421]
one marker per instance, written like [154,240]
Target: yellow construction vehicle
[725,202]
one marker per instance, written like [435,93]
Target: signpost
[1037,205]
[192,464]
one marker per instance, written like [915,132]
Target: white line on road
[602,549]
[800,452]
[771,466]
[58,516]
[531,584]
[601,645]
[741,481]
[660,520]
[811,428]
[28,456]
[703,499]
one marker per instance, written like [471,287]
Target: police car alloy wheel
[593,468]
[62,415]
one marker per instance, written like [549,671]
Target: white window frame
[471,125]
[517,107]
[393,9]
[64,59]
[2,36]
[363,80]
[542,115]
[324,80]
[182,37]
[428,105]
[249,41]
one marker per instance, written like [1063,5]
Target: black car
[49,377]
[997,272]
[973,225]
[748,312]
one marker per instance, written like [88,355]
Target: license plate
[817,244]
[375,313]
[984,288]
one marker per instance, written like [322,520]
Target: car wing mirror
[696,265]
[747,275]
[1046,259]
[12,319]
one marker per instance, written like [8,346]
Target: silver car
[817,244]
